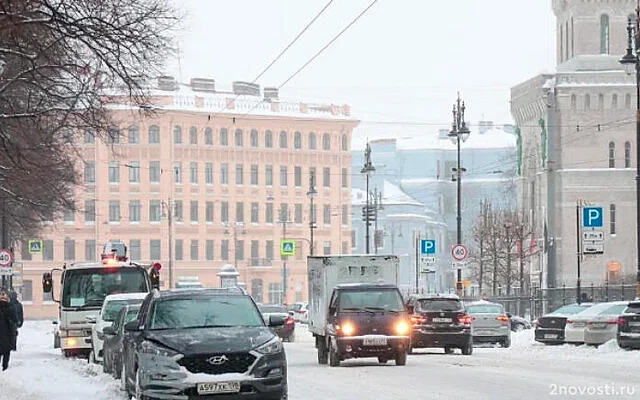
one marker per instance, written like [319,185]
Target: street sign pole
[578,248]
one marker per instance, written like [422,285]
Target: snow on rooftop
[392,194]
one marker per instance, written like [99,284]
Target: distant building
[421,167]
[201,184]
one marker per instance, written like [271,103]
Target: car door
[130,342]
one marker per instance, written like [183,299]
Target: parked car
[287,331]
[604,326]
[110,308]
[300,311]
[550,327]
[489,323]
[577,323]
[439,321]
[203,343]
[518,323]
[628,334]
[113,335]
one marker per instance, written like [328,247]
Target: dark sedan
[550,327]
[287,331]
[113,335]
[628,335]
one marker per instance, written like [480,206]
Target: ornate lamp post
[367,171]
[312,215]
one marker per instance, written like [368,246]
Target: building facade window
[326,177]
[283,140]
[312,141]
[114,210]
[177,172]
[587,102]
[193,211]
[275,293]
[345,143]
[253,138]
[268,175]
[208,136]
[240,212]
[326,248]
[177,134]
[90,211]
[24,250]
[194,250]
[604,34]
[254,174]
[209,250]
[600,101]
[114,134]
[612,155]
[89,137]
[345,177]
[224,137]
[224,249]
[224,212]
[255,252]
[268,213]
[239,138]
[268,250]
[135,251]
[326,142]
[283,176]
[224,174]
[574,102]
[69,250]
[155,211]
[90,172]
[178,211]
[297,176]
[114,172]
[612,219]
[193,173]
[627,154]
[208,173]
[193,135]
[179,250]
[297,213]
[69,214]
[208,212]
[268,139]
[297,140]
[47,250]
[614,101]
[154,134]
[239,174]
[134,211]
[256,290]
[90,251]
[134,171]
[345,215]
[154,172]
[627,101]
[134,135]
[255,212]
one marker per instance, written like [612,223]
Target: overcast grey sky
[404,60]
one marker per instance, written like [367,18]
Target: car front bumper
[356,346]
[266,379]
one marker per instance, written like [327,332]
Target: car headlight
[271,347]
[402,327]
[347,329]
[155,349]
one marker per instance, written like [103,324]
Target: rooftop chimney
[246,88]
[270,93]
[203,85]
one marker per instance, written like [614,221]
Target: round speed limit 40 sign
[6,258]
[459,252]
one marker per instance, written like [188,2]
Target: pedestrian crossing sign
[287,247]
[35,246]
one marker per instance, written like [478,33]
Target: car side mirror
[276,320]
[91,319]
[54,322]
[47,282]
[131,326]
[108,330]
[332,310]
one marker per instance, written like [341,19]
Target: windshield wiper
[382,309]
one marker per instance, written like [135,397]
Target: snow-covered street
[527,370]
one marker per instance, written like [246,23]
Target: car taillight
[464,319]
[502,318]
[621,321]
[289,321]
[416,319]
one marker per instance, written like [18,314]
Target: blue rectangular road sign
[592,217]
[428,246]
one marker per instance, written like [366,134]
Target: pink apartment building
[205,183]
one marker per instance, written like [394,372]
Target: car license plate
[550,336]
[438,319]
[375,341]
[218,387]
[599,325]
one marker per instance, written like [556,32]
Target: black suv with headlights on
[440,321]
[203,343]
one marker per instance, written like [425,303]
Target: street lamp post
[459,133]
[367,171]
[631,62]
[312,215]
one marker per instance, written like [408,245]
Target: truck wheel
[382,360]
[448,350]
[67,353]
[334,357]
[323,355]
[401,358]
[506,342]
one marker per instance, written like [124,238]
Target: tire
[401,358]
[323,354]
[67,353]
[334,357]
[468,349]
[448,350]
[382,360]
[506,343]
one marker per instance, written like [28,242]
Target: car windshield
[439,305]
[633,308]
[295,307]
[272,309]
[613,310]
[204,312]
[485,309]
[592,311]
[571,309]
[112,308]
[88,287]
[388,299]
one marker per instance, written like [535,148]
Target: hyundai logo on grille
[217,360]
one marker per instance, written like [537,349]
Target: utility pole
[417,246]
[4,233]
[377,204]
[170,220]
[578,250]
[367,171]
[284,217]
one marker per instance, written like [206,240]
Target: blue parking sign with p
[592,217]
[428,246]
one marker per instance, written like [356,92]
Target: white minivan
[110,308]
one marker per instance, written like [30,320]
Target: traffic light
[47,282]
[369,214]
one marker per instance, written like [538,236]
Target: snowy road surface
[527,370]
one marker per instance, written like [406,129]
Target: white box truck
[355,308]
